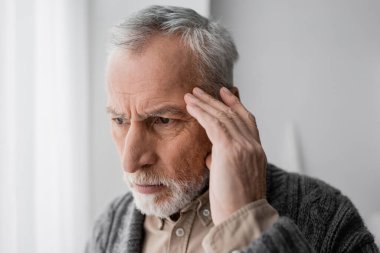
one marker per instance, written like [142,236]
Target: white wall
[106,181]
[314,65]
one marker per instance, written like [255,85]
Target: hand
[237,161]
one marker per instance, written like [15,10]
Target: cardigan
[314,217]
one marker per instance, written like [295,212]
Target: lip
[148,189]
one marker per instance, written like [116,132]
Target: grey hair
[210,43]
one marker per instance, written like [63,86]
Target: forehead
[163,67]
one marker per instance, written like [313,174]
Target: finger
[231,120]
[231,100]
[215,129]
[222,109]
[207,98]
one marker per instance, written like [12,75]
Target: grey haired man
[191,154]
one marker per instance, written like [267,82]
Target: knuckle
[221,129]
[220,115]
[251,117]
[214,121]
[231,112]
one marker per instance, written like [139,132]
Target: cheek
[185,154]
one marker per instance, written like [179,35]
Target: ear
[235,91]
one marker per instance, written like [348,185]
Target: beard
[176,195]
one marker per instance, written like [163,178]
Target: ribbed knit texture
[314,217]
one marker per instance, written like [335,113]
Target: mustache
[148,178]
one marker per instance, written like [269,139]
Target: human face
[162,148]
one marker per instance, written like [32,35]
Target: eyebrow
[170,109]
[113,111]
[160,111]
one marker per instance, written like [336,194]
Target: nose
[138,150]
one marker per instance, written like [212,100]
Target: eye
[161,120]
[119,121]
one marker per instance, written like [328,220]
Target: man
[191,154]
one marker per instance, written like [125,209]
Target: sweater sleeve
[327,222]
[284,236]
[346,231]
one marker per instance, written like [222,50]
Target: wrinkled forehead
[146,102]
[162,73]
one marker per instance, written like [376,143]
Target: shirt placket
[180,233]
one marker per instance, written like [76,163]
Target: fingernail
[226,91]
[198,91]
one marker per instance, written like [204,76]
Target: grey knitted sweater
[314,217]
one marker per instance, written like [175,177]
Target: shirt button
[206,212]
[180,232]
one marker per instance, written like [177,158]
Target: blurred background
[308,70]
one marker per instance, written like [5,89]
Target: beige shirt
[194,230]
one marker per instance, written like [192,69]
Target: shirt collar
[200,205]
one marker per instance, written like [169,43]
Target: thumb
[208,161]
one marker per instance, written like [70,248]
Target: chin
[172,200]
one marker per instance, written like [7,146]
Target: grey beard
[181,194]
